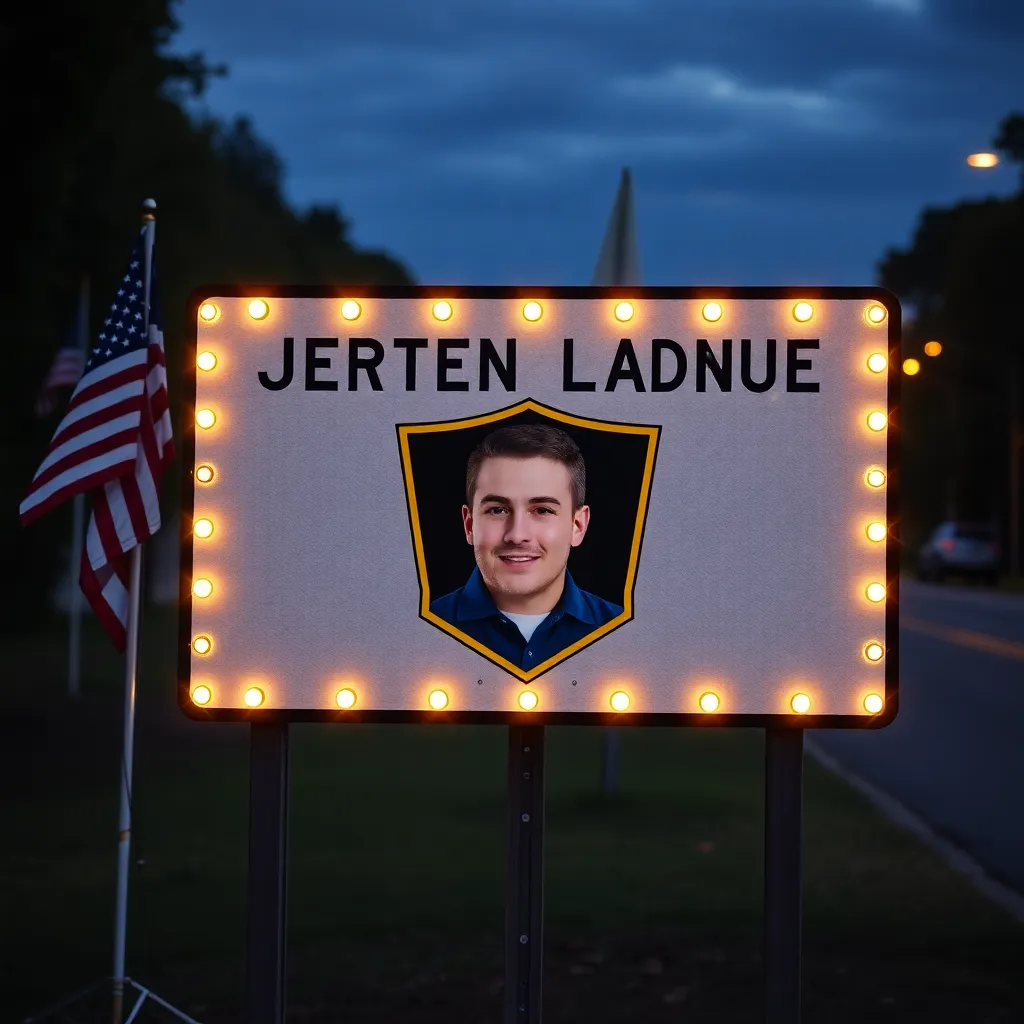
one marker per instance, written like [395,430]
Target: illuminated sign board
[645,505]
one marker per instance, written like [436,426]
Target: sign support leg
[783,873]
[524,892]
[268,862]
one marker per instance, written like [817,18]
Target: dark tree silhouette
[94,104]
[1010,141]
[960,278]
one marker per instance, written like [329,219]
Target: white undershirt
[526,623]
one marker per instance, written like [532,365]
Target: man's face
[522,526]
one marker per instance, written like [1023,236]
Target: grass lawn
[397,859]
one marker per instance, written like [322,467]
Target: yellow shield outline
[652,433]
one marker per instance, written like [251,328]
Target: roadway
[955,753]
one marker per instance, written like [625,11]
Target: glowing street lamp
[983,160]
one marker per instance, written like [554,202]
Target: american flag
[114,442]
[65,372]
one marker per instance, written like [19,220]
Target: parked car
[960,549]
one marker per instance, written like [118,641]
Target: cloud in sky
[792,140]
[904,6]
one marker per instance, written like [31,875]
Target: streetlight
[983,160]
[986,160]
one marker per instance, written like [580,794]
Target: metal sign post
[524,889]
[268,863]
[783,873]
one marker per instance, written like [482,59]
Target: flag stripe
[104,514]
[93,544]
[88,444]
[123,399]
[97,382]
[108,598]
[85,476]
[65,372]
[153,457]
[135,503]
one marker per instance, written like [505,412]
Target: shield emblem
[527,583]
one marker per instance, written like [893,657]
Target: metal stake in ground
[524,890]
[268,863]
[783,873]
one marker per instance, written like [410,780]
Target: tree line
[96,109]
[960,279]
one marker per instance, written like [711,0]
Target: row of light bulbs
[528,700]
[874,477]
[442,310]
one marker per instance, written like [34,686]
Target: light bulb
[709,701]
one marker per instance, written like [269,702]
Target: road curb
[959,860]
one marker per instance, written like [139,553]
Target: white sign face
[645,505]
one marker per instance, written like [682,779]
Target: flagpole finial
[149,209]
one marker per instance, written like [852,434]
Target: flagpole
[131,658]
[77,528]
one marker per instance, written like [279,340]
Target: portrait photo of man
[525,512]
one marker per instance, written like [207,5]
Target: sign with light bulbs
[589,505]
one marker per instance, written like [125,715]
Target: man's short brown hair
[529,441]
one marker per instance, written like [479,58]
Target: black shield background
[615,470]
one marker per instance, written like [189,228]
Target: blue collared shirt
[472,611]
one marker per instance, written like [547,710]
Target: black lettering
[356,362]
[795,365]
[706,361]
[658,346]
[506,371]
[410,345]
[769,366]
[446,362]
[314,362]
[624,354]
[286,374]
[568,384]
